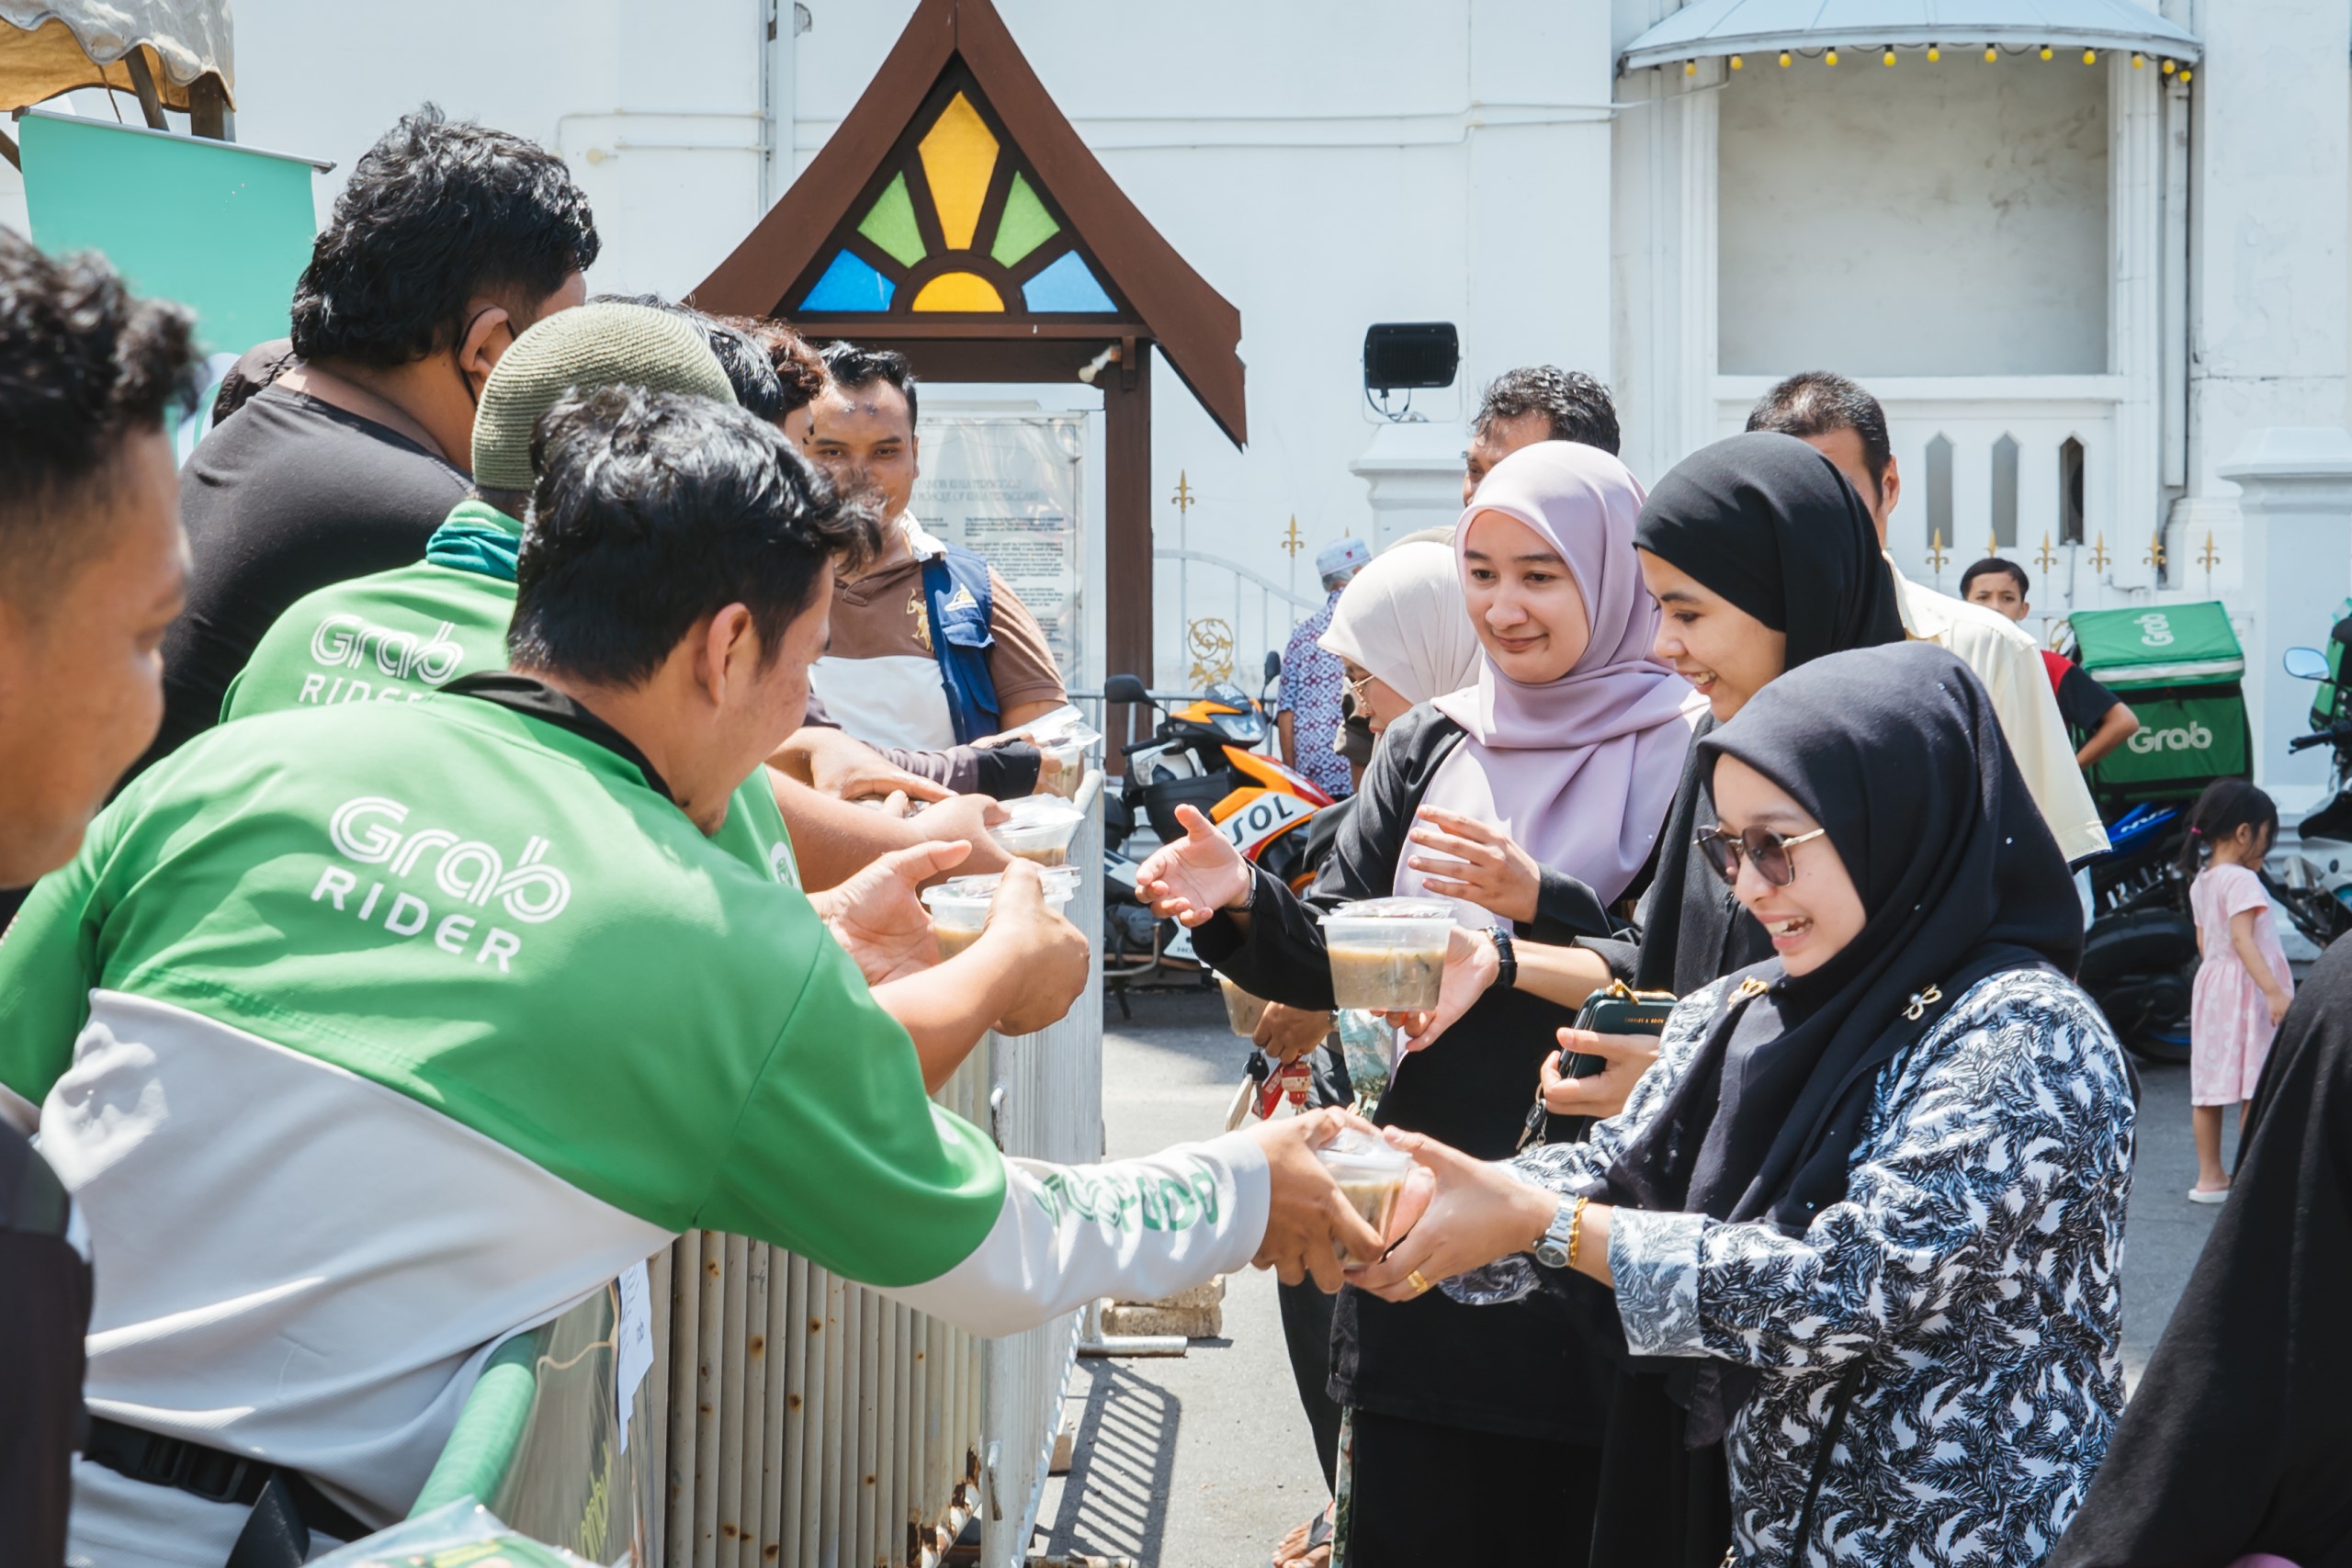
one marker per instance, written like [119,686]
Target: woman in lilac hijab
[1532,799]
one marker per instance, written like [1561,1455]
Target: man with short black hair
[931,647]
[448,242]
[365,1035]
[2088,708]
[1846,425]
[1536,402]
[92,569]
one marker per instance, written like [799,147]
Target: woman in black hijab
[1763,559]
[2235,1443]
[1863,1217]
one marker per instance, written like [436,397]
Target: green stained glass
[891,224]
[1024,226]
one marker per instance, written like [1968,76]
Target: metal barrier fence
[810,1422]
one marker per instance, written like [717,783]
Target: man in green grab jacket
[365,1035]
[397,635]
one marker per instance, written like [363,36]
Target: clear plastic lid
[1065,725]
[961,908]
[1061,882]
[1394,909]
[1038,811]
[1359,1156]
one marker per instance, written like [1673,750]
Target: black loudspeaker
[1405,356]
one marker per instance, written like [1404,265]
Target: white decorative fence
[2058,472]
[811,1423]
[1228,618]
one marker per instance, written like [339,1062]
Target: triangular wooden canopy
[953,46]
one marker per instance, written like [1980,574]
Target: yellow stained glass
[958,155]
[959,291]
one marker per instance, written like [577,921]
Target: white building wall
[1971,239]
[1918,219]
[1325,167]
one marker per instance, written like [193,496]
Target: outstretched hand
[878,915]
[1471,965]
[1308,1218]
[1193,878]
[1464,1213]
[1026,937]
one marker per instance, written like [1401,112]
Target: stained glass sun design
[920,245]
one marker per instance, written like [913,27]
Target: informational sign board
[1010,486]
[221,229]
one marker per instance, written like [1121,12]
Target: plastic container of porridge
[1039,829]
[1388,955]
[958,915]
[959,907]
[1370,1175]
[1061,768]
[1242,1010]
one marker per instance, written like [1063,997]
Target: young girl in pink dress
[2242,986]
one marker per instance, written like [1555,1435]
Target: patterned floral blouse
[1962,1305]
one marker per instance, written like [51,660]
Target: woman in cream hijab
[1404,632]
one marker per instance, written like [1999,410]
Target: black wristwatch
[1506,957]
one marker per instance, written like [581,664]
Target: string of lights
[1888,53]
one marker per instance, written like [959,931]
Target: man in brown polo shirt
[885,678]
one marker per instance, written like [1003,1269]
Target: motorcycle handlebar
[2335,733]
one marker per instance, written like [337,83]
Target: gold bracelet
[1575,1229]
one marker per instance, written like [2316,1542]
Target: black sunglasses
[1765,849]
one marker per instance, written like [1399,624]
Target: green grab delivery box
[2178,666]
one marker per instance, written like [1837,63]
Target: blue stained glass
[1068,285]
[850,284]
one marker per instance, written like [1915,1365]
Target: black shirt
[44,1314]
[1508,1370]
[285,496]
[2083,703]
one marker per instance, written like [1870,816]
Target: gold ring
[1420,1285]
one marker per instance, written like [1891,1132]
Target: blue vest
[961,603]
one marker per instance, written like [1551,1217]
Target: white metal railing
[1210,647]
[810,1422]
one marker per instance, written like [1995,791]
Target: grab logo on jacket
[2191,736]
[345,642]
[374,830]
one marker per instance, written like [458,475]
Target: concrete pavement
[1205,1462]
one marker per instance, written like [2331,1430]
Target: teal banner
[221,229]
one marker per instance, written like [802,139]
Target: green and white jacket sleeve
[840,1158]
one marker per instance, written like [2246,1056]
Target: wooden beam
[8,150]
[143,81]
[1126,504]
[879,326]
[207,108]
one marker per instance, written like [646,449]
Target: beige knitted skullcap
[587,346]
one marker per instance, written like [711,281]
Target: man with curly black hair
[448,242]
[92,565]
[1536,402]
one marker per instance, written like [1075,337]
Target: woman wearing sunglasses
[1533,798]
[1863,1218]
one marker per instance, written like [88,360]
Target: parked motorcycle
[2315,883]
[1204,753]
[2139,949]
